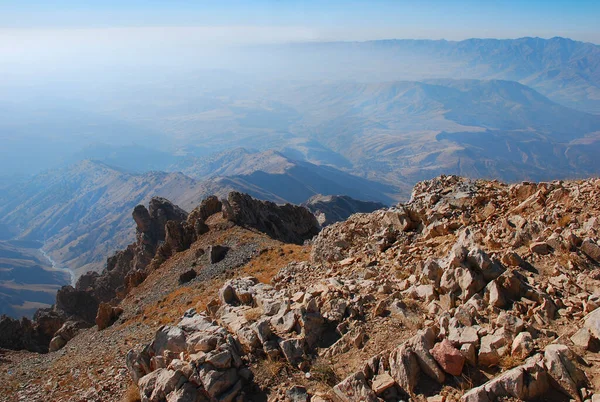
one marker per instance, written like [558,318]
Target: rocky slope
[473,291]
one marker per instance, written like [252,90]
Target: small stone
[591,249]
[469,352]
[522,345]
[539,247]
[187,276]
[355,388]
[382,382]
[448,357]
[217,253]
[488,351]
[583,339]
[296,393]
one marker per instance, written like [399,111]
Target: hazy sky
[225,21]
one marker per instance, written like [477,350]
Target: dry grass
[253,314]
[402,273]
[132,394]
[564,220]
[322,371]
[268,371]
[266,265]
[507,362]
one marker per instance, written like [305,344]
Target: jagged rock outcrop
[288,223]
[329,209]
[30,335]
[126,267]
[77,305]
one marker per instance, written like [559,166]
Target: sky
[267,21]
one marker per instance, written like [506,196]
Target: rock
[477,258]
[540,247]
[296,393]
[187,393]
[107,315]
[421,344]
[169,338]
[292,349]
[522,345]
[463,335]
[187,276]
[166,382]
[355,388]
[78,304]
[495,295]
[288,223]
[591,249]
[525,382]
[433,271]
[218,382]
[469,352]
[208,207]
[510,323]
[512,259]
[217,253]
[147,383]
[583,339]
[488,351]
[138,364]
[382,382]
[558,360]
[330,209]
[220,359]
[448,357]
[592,323]
[426,293]
[404,367]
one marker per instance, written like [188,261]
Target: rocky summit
[471,291]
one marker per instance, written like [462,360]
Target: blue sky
[319,20]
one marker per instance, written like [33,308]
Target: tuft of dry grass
[268,370]
[322,371]
[253,314]
[132,394]
[508,362]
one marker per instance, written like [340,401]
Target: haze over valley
[282,122]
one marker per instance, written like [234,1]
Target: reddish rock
[448,357]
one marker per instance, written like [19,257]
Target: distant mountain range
[82,213]
[403,132]
[566,71]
